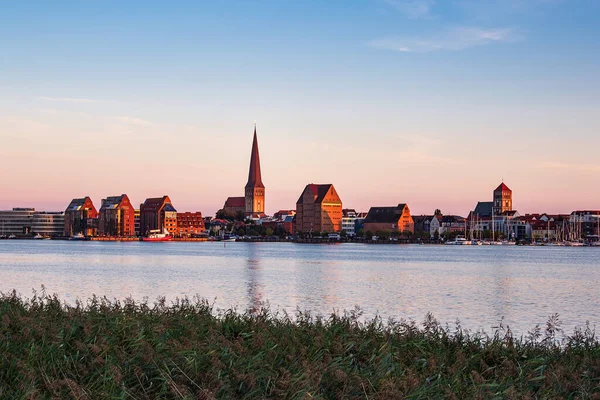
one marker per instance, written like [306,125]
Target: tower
[502,199]
[255,190]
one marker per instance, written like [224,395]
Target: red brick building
[319,209]
[190,224]
[253,202]
[116,217]
[81,216]
[157,213]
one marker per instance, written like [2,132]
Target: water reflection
[254,285]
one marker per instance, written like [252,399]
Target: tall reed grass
[185,349]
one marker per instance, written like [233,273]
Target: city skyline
[428,103]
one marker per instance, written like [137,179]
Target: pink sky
[53,155]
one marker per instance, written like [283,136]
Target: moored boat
[157,235]
[77,236]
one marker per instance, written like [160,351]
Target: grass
[110,349]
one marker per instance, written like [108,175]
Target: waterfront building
[422,225]
[27,221]
[435,224]
[452,223]
[319,209]
[116,217]
[396,219]
[349,217]
[157,213]
[48,223]
[81,216]
[585,223]
[253,202]
[136,222]
[16,221]
[190,224]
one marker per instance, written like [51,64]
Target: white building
[26,221]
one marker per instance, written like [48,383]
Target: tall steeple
[255,189]
[254,176]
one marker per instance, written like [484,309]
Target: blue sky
[428,102]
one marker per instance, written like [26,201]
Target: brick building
[190,224]
[157,213]
[319,209]
[81,216]
[389,220]
[116,217]
[253,202]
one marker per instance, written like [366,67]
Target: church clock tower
[255,190]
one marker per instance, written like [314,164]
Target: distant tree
[437,212]
[252,232]
[436,235]
[269,232]
[368,235]
[361,232]
[240,216]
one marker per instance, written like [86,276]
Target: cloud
[414,9]
[134,121]
[66,99]
[459,38]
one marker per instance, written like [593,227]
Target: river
[479,285]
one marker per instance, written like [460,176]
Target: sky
[427,102]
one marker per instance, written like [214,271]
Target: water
[476,284]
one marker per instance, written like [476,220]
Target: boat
[12,237]
[156,235]
[38,237]
[476,242]
[77,236]
[459,241]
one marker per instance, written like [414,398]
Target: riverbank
[186,350]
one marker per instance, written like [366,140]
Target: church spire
[254,176]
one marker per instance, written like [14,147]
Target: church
[253,202]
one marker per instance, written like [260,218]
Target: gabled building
[157,213]
[116,217]
[319,209]
[81,216]
[389,219]
[422,225]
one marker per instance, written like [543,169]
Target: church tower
[502,199]
[255,190]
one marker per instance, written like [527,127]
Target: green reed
[186,349]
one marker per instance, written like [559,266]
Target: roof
[385,214]
[235,202]
[502,188]
[169,207]
[78,204]
[254,175]
[319,192]
[289,219]
[112,202]
[155,203]
[420,219]
[484,208]
[453,219]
